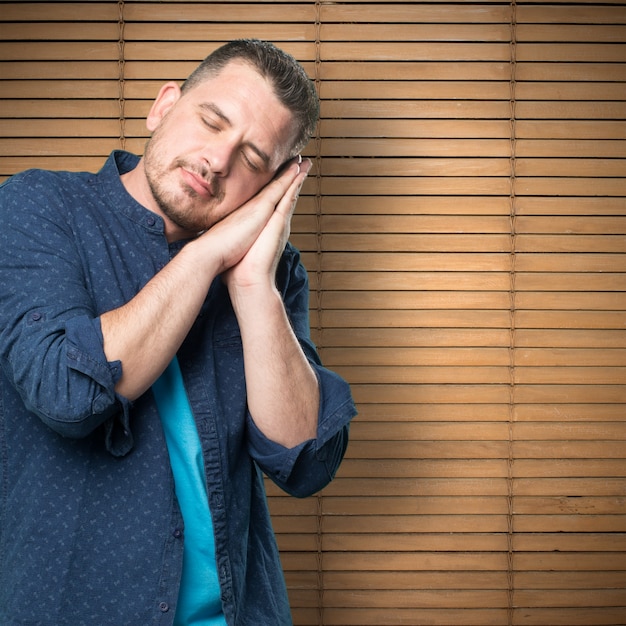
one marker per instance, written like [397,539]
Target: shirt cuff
[336,410]
[274,458]
[85,353]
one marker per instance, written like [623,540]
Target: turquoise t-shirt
[199,601]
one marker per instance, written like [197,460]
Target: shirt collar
[109,178]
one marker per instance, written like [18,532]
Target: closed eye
[249,163]
[211,124]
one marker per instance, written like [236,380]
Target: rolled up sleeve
[63,376]
[51,346]
[307,468]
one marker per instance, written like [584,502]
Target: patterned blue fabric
[199,594]
[90,528]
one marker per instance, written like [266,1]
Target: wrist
[200,260]
[254,299]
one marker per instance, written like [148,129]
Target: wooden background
[465,233]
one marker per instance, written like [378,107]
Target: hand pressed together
[260,230]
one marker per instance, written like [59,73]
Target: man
[155,354]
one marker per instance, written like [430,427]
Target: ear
[167,97]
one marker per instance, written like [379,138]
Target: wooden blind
[465,234]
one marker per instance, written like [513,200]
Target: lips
[197,183]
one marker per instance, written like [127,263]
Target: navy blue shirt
[90,529]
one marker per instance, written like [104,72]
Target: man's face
[213,147]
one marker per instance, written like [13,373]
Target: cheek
[244,185]
[175,136]
[157,153]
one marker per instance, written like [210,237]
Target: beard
[179,202]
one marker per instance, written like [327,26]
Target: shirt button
[151,221]
[164,607]
[178,533]
[99,405]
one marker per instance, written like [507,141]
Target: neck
[136,184]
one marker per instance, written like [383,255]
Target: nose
[219,154]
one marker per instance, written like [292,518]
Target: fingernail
[306,165]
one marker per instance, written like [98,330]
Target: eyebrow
[213,108]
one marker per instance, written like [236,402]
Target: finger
[280,184]
[289,200]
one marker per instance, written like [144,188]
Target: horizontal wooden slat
[598,561]
[59,109]
[416,31]
[60,51]
[421,561]
[573,72]
[471,617]
[228,12]
[570,580]
[587,505]
[59,11]
[400,108]
[299,26]
[423,449]
[375,318]
[590,281]
[599,33]
[570,14]
[55,70]
[571,412]
[410,580]
[454,449]
[60,146]
[587,52]
[442,205]
[61,128]
[393,13]
[489,263]
[460,309]
[427,147]
[456,308]
[88,89]
[537,357]
[198,50]
[410,542]
[559,393]
[448,412]
[413,70]
[457,129]
[397,51]
[70,31]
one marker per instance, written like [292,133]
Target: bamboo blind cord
[512,311]
[319,292]
[121,73]
[318,174]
